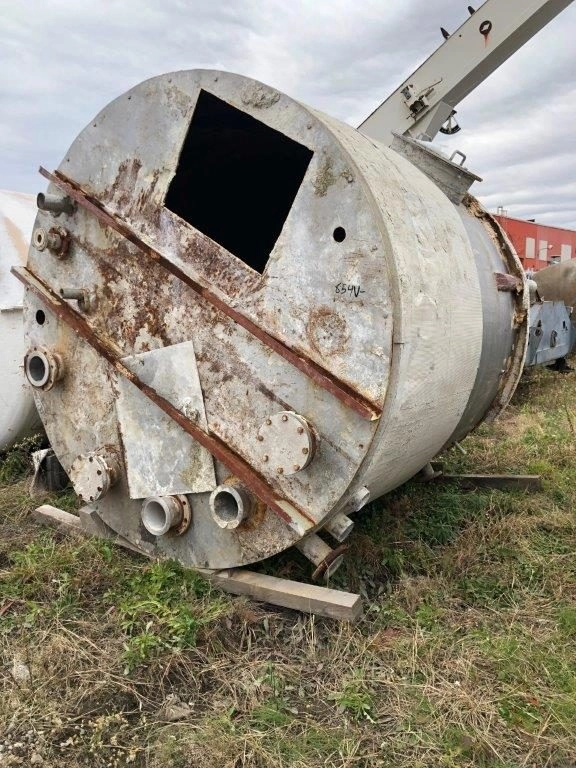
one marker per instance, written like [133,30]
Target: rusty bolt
[265,457]
[268,422]
[284,418]
[300,430]
[280,470]
[305,451]
[296,467]
[260,438]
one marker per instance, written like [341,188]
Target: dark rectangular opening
[236,179]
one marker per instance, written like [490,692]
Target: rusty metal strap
[508,283]
[296,518]
[339,389]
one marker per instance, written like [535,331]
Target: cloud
[63,61]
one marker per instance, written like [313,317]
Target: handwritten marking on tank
[350,290]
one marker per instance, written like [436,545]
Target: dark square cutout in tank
[236,179]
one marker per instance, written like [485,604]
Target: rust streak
[339,389]
[235,463]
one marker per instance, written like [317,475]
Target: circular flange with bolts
[287,443]
[43,368]
[161,514]
[230,505]
[92,475]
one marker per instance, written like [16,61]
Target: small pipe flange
[230,504]
[43,367]
[86,299]
[326,559]
[163,514]
[56,240]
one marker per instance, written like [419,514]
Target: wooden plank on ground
[307,598]
[57,518]
[498,482]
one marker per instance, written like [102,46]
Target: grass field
[466,655]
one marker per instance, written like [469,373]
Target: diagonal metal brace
[295,518]
[319,375]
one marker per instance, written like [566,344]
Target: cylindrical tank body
[267,312]
[18,415]
[558,283]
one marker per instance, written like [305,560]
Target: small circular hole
[40,317]
[226,506]
[154,518]
[339,234]
[36,369]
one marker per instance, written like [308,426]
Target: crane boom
[426,99]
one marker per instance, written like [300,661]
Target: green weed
[160,609]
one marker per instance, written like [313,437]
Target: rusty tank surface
[246,319]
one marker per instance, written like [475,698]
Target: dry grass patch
[465,658]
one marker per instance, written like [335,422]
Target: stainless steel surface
[302,294]
[18,416]
[551,333]
[558,283]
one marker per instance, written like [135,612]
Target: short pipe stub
[56,240]
[230,505]
[326,559]
[43,368]
[340,527]
[55,204]
[161,514]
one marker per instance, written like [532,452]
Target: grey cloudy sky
[61,61]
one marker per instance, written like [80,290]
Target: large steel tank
[18,415]
[248,319]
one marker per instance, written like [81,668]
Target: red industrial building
[538,245]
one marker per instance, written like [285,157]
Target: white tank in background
[18,416]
